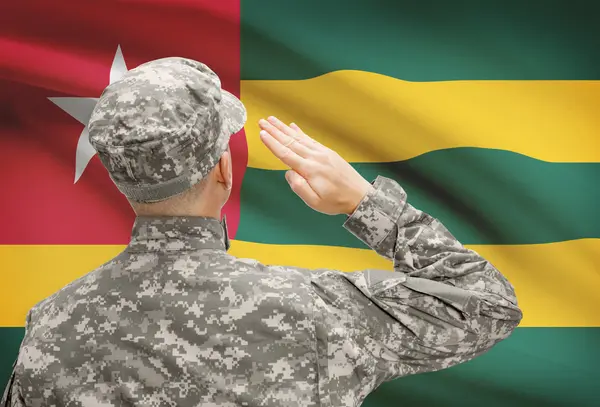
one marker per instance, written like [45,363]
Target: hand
[318,175]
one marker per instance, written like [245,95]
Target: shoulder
[77,291]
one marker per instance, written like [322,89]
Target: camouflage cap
[163,126]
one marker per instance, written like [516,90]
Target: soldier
[174,320]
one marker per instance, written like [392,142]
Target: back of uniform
[173,321]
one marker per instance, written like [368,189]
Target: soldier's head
[162,131]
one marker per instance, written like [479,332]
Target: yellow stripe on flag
[368,117]
[557,284]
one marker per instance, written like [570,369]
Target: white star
[81,109]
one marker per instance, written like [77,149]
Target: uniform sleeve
[444,304]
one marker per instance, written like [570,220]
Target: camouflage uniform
[174,320]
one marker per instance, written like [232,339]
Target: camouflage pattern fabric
[174,320]
[163,126]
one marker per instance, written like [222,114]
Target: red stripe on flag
[66,49]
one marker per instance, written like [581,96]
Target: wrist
[358,196]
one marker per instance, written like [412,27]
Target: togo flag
[487,113]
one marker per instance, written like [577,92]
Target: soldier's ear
[224,171]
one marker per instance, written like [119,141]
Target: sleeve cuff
[377,214]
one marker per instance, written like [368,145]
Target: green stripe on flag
[422,41]
[483,196]
[10,340]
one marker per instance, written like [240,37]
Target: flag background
[486,112]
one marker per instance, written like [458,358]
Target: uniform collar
[158,233]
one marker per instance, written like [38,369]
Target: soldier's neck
[208,211]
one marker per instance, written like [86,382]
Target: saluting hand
[318,175]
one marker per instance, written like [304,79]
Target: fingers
[302,188]
[287,137]
[285,154]
[284,128]
[298,129]
[309,142]
[294,131]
